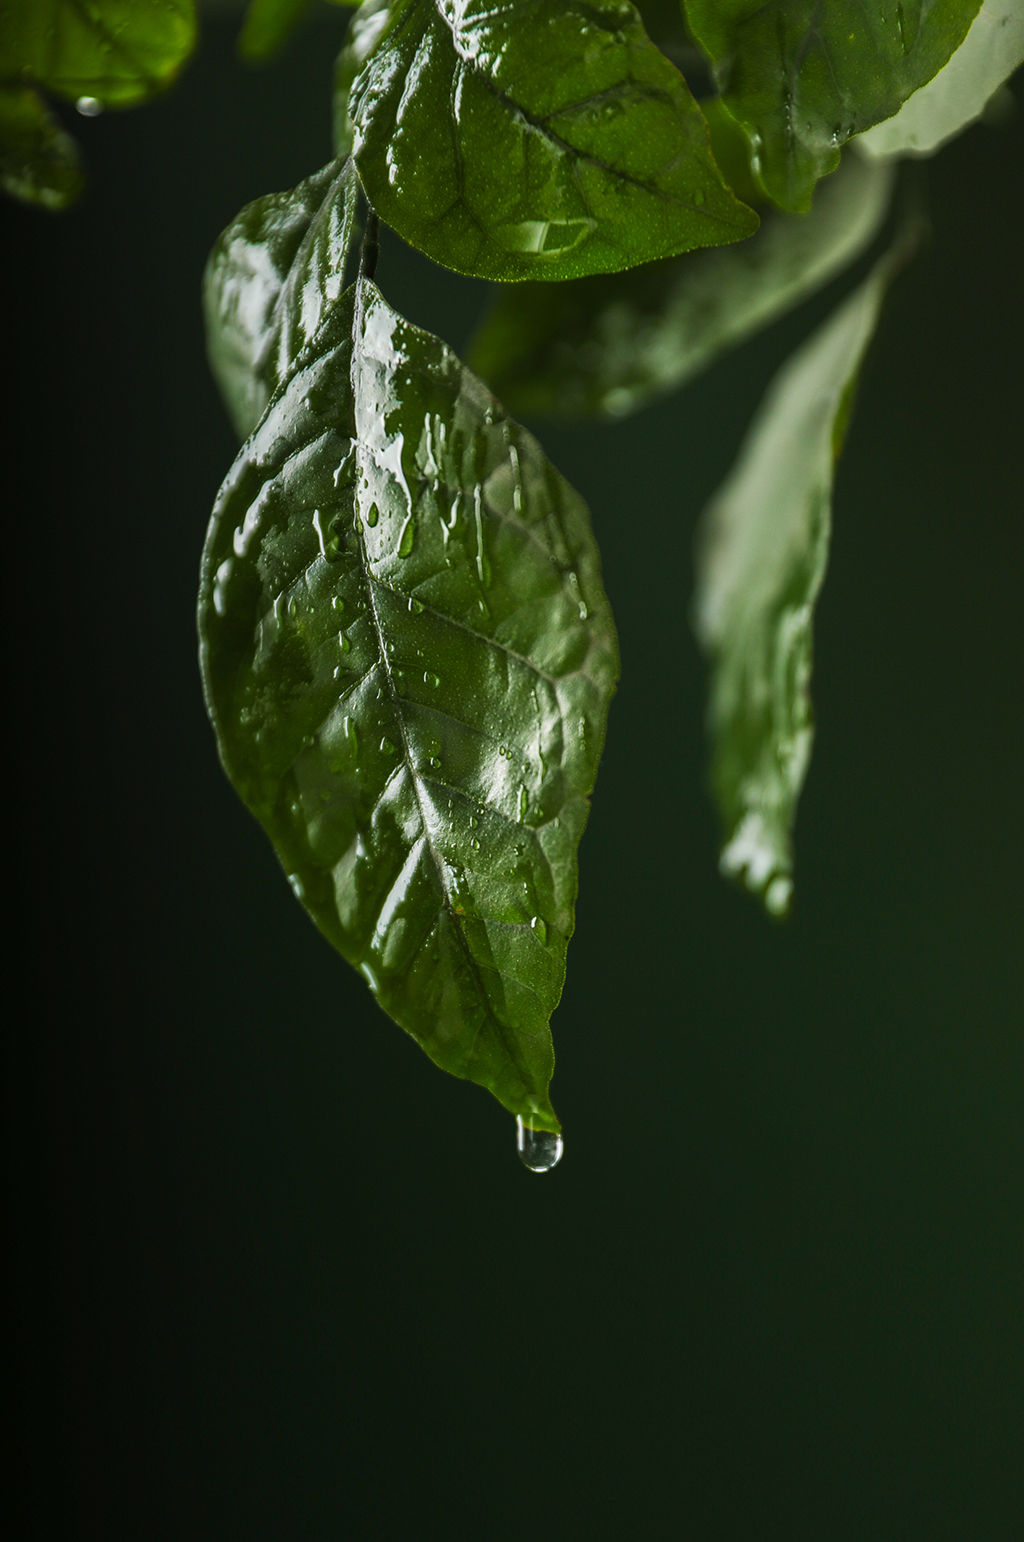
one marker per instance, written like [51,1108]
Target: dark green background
[280,1277]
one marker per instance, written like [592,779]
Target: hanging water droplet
[539,929]
[539,1150]
[297,888]
[89,106]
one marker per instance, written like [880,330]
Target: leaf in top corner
[269,281]
[408,658]
[268,25]
[118,52]
[804,75]
[513,139]
[38,162]
[609,344]
[761,564]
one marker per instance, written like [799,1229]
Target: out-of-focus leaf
[38,161]
[269,281]
[408,659]
[268,25]
[609,344]
[803,75]
[761,563]
[111,52]
[958,94]
[513,139]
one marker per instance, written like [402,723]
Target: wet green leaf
[761,564]
[268,25]
[532,138]
[269,281]
[803,75]
[117,52]
[958,94]
[606,345]
[408,659]
[38,161]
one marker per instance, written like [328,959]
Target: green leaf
[268,25]
[958,94]
[269,282]
[408,659]
[116,52]
[532,138]
[38,161]
[606,345]
[761,564]
[803,75]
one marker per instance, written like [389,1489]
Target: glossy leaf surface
[606,345]
[269,282]
[958,94]
[38,161]
[118,52]
[408,659]
[532,138]
[803,75]
[761,565]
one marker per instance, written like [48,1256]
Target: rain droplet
[407,537]
[89,106]
[338,604]
[415,607]
[372,515]
[539,1150]
[344,642]
[432,680]
[387,747]
[539,929]
[296,883]
[524,803]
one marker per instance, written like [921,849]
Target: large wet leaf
[803,75]
[761,564]
[38,161]
[118,52]
[958,94]
[531,138]
[408,659]
[269,282]
[606,345]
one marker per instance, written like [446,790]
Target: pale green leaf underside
[269,282]
[608,344]
[117,51]
[958,94]
[38,161]
[761,562]
[804,75]
[515,139]
[408,658]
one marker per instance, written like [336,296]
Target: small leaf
[269,281]
[549,140]
[803,75]
[38,161]
[958,94]
[114,53]
[761,564]
[268,25]
[606,345]
[408,659]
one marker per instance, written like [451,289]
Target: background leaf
[118,52]
[269,280]
[960,92]
[408,659]
[608,344]
[763,554]
[268,25]
[38,161]
[532,138]
[803,75]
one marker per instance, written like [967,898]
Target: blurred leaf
[803,75]
[38,161]
[958,94]
[268,25]
[607,345]
[269,280]
[761,563]
[408,659]
[114,52]
[548,139]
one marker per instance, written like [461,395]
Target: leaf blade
[117,52]
[39,163]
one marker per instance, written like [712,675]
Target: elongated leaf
[38,161]
[269,282]
[762,561]
[117,52]
[532,138]
[803,75]
[408,659]
[606,345]
[958,94]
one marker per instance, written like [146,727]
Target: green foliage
[118,52]
[38,161]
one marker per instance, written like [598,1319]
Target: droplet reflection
[539,1150]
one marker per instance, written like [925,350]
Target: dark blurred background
[279,1277]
